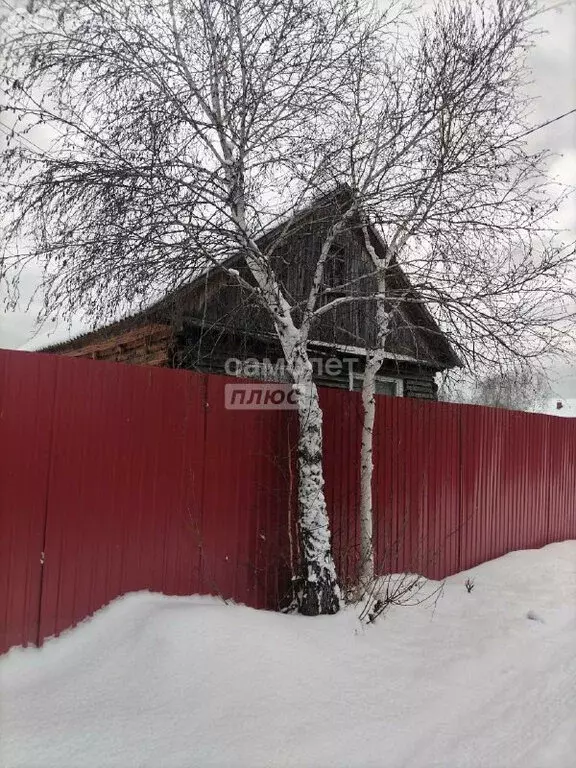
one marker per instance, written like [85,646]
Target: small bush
[406,589]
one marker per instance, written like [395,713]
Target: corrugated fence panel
[417,487]
[561,518]
[124,479]
[245,500]
[230,514]
[520,514]
[506,481]
[342,434]
[439,550]
[26,396]
[398,489]
[482,472]
[532,466]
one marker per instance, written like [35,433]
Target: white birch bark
[366,572]
[374,359]
[318,590]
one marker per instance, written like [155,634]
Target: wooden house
[213,320]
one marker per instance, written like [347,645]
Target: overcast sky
[553,61]
[554,66]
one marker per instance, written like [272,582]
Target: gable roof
[434,347]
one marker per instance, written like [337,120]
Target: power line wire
[538,127]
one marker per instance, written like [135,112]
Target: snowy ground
[156,681]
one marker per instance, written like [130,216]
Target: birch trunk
[366,573]
[319,592]
[374,360]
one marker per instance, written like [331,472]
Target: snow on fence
[116,478]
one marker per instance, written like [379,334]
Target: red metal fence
[116,478]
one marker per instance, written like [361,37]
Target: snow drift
[483,678]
